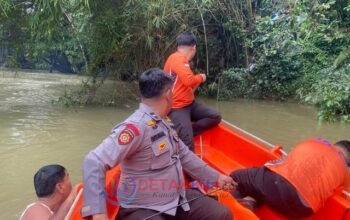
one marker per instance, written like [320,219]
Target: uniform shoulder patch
[133,128]
[125,137]
[128,134]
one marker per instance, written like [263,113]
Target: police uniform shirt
[151,157]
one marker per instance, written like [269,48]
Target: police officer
[152,159]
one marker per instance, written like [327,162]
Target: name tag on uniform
[157,136]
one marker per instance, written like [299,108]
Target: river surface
[33,132]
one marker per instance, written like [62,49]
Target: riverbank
[80,91]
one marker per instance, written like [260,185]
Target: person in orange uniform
[189,117]
[298,185]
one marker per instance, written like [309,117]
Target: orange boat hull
[226,150]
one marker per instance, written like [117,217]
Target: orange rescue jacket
[315,168]
[185,81]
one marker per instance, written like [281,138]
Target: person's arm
[123,142]
[183,71]
[204,79]
[200,170]
[63,210]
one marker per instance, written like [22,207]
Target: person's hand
[72,195]
[204,77]
[227,183]
[100,217]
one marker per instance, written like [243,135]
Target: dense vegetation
[303,55]
[266,49]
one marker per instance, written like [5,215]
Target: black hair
[345,144]
[153,82]
[46,178]
[186,39]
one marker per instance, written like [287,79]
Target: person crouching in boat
[152,159]
[54,191]
[190,117]
[299,184]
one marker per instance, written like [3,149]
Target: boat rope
[198,197]
[75,202]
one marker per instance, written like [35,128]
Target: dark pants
[202,208]
[193,120]
[272,189]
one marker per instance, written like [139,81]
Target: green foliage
[277,65]
[235,83]
[332,95]
[84,95]
[303,54]
[69,99]
[5,6]
[13,41]
[130,36]
[122,38]
[99,92]
[56,34]
[343,58]
[304,46]
[267,7]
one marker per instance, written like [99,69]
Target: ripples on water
[34,133]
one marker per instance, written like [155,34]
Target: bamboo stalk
[205,36]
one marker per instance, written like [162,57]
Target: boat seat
[218,160]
